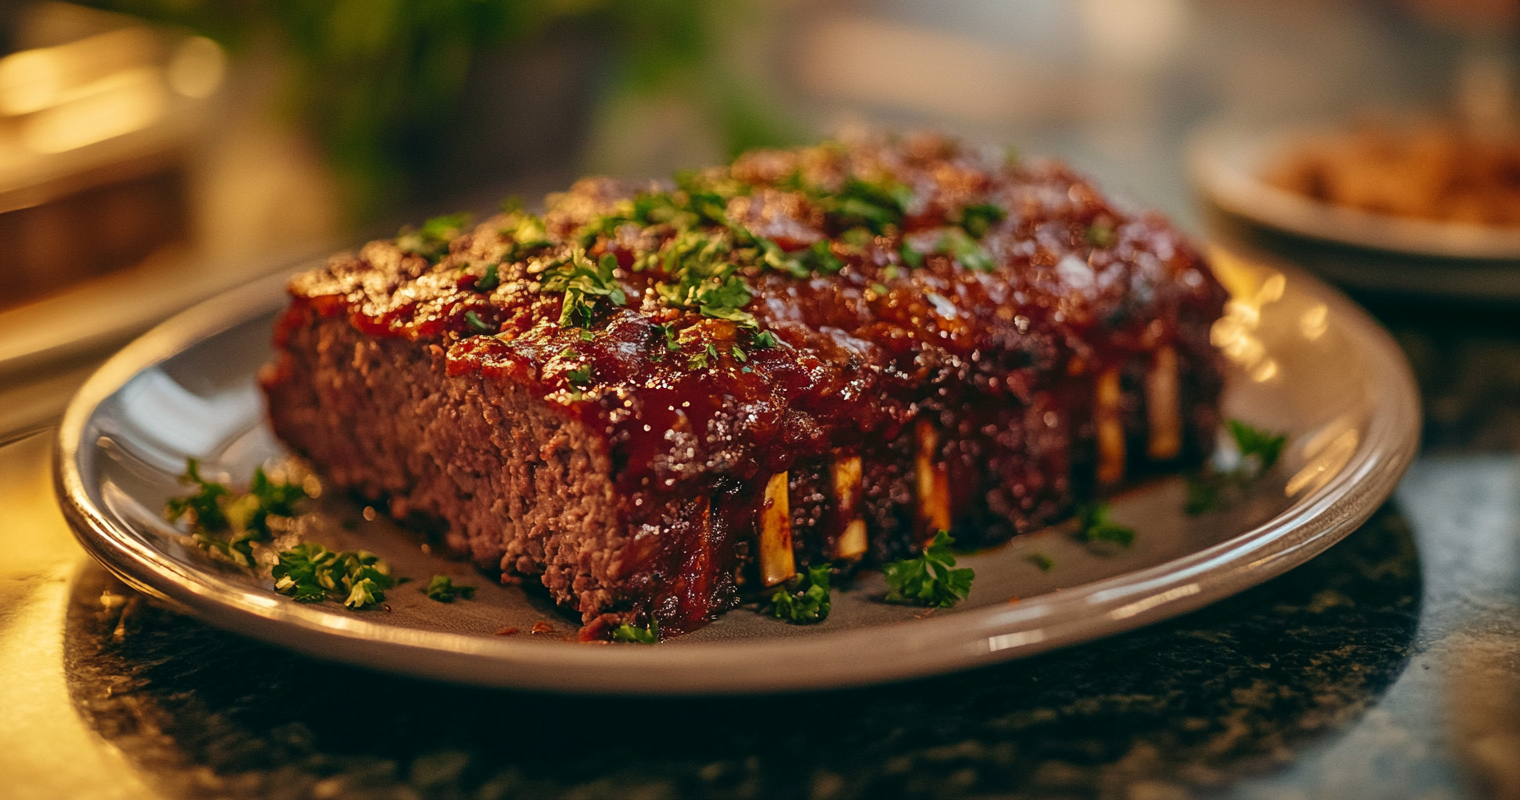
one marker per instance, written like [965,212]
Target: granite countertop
[1388,667]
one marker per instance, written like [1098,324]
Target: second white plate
[1227,162]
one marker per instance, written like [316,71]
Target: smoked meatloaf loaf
[655,398]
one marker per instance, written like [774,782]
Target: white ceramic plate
[1227,162]
[1308,362]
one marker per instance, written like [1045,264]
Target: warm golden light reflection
[1327,452]
[1250,288]
[49,751]
[29,81]
[1315,322]
[35,80]
[1141,606]
[197,67]
[1265,371]
[132,101]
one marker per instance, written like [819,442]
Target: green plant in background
[375,80]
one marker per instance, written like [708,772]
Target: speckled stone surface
[1233,692]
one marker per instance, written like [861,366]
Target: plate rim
[920,648]
[1213,155]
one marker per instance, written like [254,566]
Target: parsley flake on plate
[226,523]
[1259,449]
[202,510]
[1095,526]
[1213,487]
[443,589]
[930,579]
[637,635]
[311,573]
[805,599]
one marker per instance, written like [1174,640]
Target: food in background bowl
[1431,172]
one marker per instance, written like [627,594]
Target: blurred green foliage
[373,79]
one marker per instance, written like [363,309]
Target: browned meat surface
[651,398]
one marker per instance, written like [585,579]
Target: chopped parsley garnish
[527,233]
[583,282]
[956,243]
[910,255]
[820,259]
[864,204]
[630,633]
[668,334]
[805,599]
[1044,562]
[488,280]
[706,251]
[930,579]
[431,241]
[1094,526]
[703,256]
[1204,493]
[970,253]
[265,499]
[978,219]
[311,573]
[443,589]
[202,510]
[1214,487]
[704,357]
[580,376]
[705,280]
[476,324]
[857,239]
[226,523]
[1101,236]
[1259,449]
[763,340]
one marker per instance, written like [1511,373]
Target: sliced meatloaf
[653,398]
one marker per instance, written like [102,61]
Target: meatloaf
[655,399]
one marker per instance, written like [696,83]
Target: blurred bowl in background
[1231,166]
[98,117]
[1374,253]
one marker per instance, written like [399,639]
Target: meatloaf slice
[651,398]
